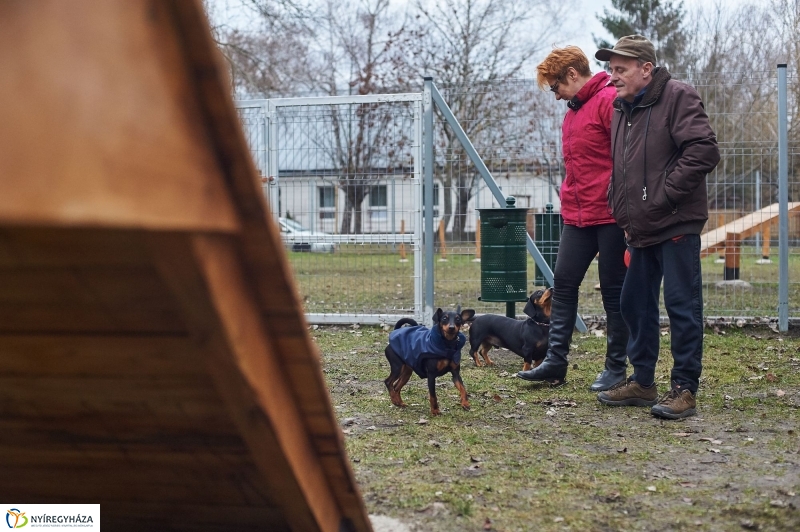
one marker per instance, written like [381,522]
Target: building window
[377,196]
[435,198]
[327,202]
[378,202]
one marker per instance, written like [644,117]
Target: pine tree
[661,21]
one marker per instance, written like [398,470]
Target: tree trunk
[463,195]
[347,216]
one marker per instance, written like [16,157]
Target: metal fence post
[427,147]
[783,199]
[272,158]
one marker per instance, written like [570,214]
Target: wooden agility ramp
[759,221]
[154,357]
[728,237]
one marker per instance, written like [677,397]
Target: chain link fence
[356,171]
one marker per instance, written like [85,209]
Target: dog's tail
[405,321]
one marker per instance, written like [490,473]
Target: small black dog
[429,353]
[526,338]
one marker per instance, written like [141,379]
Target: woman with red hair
[588,226]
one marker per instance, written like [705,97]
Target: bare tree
[356,49]
[468,46]
[266,44]
[733,53]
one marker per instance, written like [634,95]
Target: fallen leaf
[749,524]
[688,485]
[558,519]
[372,427]
[497,398]
[487,524]
[623,450]
[705,439]
[687,500]
[777,503]
[422,421]
[713,450]
[434,443]
[475,459]
[651,488]
[780,393]
[681,434]
[551,412]
[758,378]
[771,377]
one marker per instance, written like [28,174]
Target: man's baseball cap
[635,46]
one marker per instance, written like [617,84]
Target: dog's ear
[437,315]
[458,309]
[467,314]
[530,308]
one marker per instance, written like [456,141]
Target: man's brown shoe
[629,393]
[677,404]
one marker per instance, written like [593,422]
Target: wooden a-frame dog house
[153,353]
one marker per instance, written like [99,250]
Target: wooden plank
[113,299]
[246,374]
[746,226]
[205,518]
[66,248]
[101,125]
[173,398]
[66,355]
[256,359]
[130,483]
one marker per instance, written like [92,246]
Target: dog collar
[542,324]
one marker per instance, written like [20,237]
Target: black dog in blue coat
[429,353]
[526,338]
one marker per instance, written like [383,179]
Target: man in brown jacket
[662,146]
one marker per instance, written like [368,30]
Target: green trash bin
[547,235]
[504,255]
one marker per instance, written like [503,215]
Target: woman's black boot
[616,354]
[554,367]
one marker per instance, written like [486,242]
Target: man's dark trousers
[677,261]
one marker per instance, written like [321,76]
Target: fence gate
[344,177]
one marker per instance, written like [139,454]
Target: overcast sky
[583,25]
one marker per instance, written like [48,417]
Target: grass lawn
[366,280]
[527,457]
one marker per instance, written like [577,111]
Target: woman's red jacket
[586,145]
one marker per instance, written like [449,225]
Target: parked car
[298,238]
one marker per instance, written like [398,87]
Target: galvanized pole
[783,201]
[427,185]
[488,179]
[272,159]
